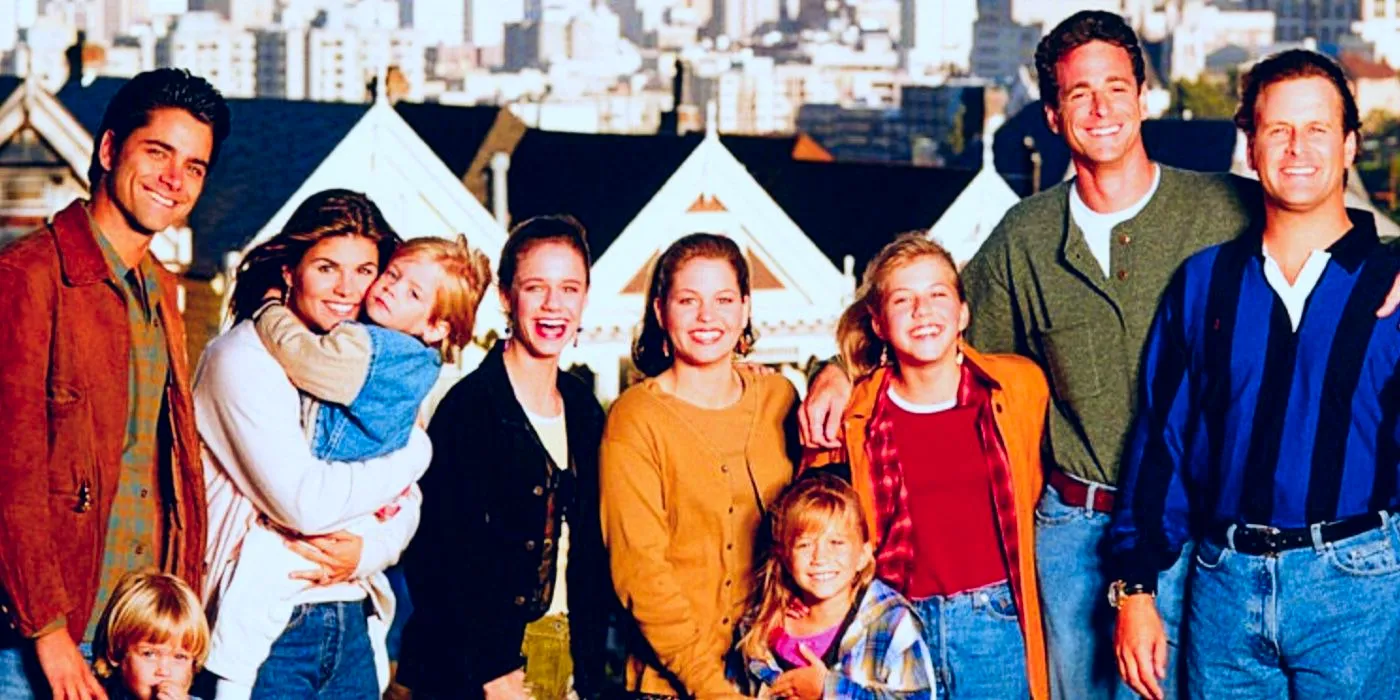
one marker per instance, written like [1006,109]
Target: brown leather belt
[1075,493]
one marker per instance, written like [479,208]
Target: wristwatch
[1120,590]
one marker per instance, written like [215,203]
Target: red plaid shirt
[895,525]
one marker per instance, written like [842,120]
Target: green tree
[1204,97]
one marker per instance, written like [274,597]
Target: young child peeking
[823,627]
[151,640]
[368,382]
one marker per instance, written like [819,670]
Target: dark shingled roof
[455,134]
[8,84]
[856,208]
[272,148]
[604,180]
[1205,145]
[87,103]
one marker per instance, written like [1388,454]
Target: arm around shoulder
[250,422]
[330,366]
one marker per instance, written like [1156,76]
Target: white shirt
[257,460]
[913,407]
[553,432]
[1098,227]
[1295,296]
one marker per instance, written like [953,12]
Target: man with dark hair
[1269,433]
[98,452]
[1070,278]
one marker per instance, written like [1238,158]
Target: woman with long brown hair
[943,446]
[691,459]
[260,470]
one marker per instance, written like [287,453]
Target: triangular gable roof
[383,157]
[53,122]
[801,274]
[273,148]
[978,209]
[604,180]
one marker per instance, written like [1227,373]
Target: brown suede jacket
[64,365]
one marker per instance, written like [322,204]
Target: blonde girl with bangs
[943,448]
[823,625]
[152,639]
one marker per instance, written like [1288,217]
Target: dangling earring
[959,357]
[576,334]
[884,354]
[665,347]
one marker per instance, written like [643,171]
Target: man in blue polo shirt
[1269,431]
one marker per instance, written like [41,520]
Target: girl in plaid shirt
[824,627]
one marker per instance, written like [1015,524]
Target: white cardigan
[257,459]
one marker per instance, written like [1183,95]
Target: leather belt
[1075,493]
[1261,540]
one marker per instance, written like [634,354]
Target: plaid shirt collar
[895,559]
[149,285]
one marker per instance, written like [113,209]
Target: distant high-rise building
[740,19]
[937,36]
[210,46]
[243,14]
[281,63]
[486,20]
[342,61]
[15,15]
[1380,25]
[437,22]
[1327,21]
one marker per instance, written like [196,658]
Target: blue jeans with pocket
[1071,552]
[324,653]
[1315,622]
[20,673]
[975,642]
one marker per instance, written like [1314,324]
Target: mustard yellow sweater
[680,524]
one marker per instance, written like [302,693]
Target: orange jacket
[1020,401]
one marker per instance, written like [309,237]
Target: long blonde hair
[811,504]
[152,607]
[861,348]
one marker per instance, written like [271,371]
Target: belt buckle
[1273,544]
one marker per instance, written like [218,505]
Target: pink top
[785,645]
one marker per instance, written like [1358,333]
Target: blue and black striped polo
[1245,420]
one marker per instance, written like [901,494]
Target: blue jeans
[1071,549]
[1306,623]
[323,653]
[975,642]
[20,673]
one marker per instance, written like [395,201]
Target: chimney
[671,121]
[500,204]
[74,54]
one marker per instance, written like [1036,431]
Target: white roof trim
[965,225]
[383,157]
[752,217]
[53,122]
